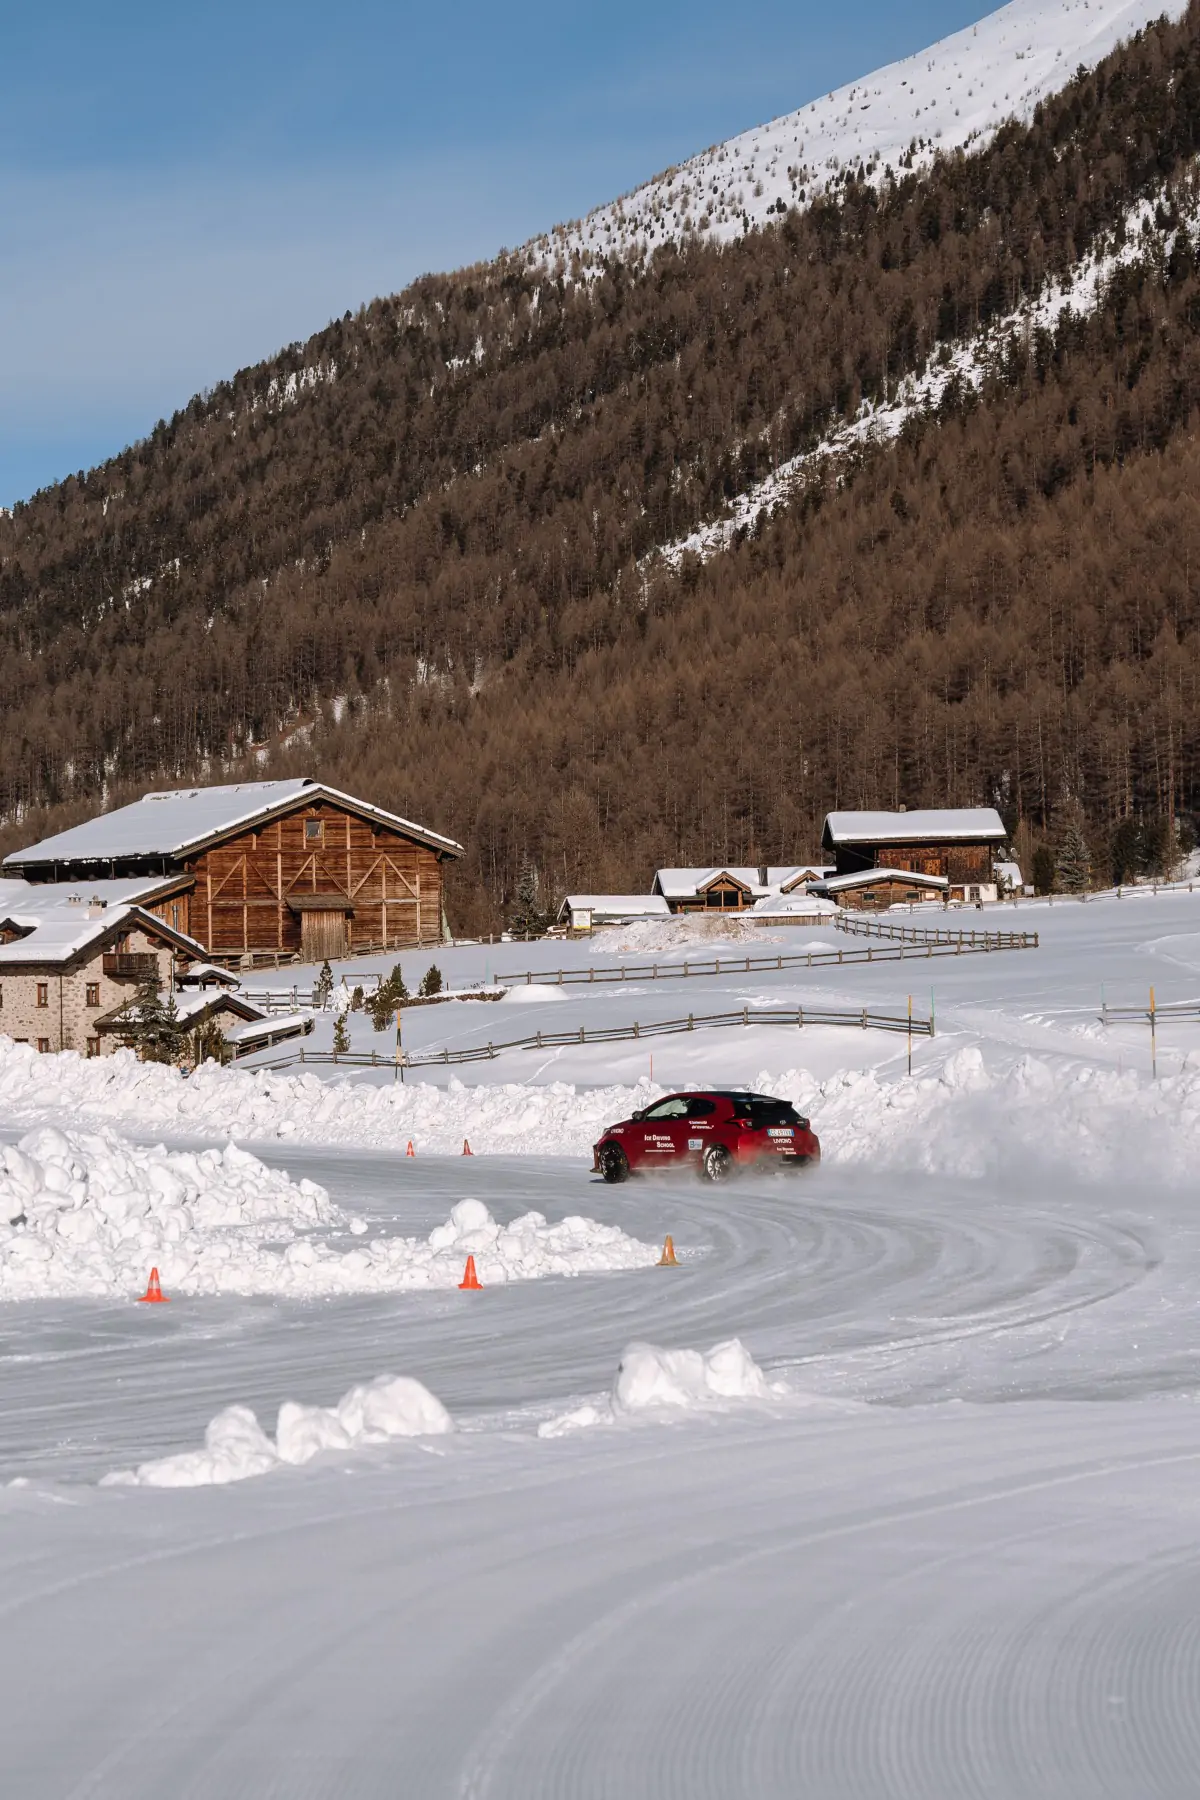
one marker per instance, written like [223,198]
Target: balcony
[130,965]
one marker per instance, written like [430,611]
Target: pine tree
[323,986]
[341,1037]
[528,920]
[151,1025]
[389,995]
[432,982]
[1074,859]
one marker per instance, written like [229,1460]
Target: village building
[956,846]
[874,890]
[730,889]
[583,912]
[68,968]
[260,871]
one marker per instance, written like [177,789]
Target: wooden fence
[863,1019]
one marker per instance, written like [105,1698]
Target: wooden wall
[959,863]
[391,886]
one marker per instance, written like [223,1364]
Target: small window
[93,1046]
[314,830]
[92,997]
[44,1046]
[43,995]
[700,1109]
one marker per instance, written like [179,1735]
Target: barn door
[322,936]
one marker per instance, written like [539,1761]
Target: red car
[716,1133]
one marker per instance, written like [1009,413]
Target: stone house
[67,967]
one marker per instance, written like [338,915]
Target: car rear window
[762,1114]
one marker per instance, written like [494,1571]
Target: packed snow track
[953,1551]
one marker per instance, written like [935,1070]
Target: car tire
[614,1164]
[717,1163]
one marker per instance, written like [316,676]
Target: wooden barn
[955,844]
[262,871]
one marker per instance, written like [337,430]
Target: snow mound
[685,931]
[651,1380]
[236,1447]
[648,1377]
[88,1213]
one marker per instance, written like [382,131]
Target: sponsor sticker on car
[695,1143]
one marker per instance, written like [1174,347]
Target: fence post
[1153,1038]
[636,1030]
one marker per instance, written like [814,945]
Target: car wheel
[717,1164]
[614,1164]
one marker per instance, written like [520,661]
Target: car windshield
[674,1108]
[762,1113]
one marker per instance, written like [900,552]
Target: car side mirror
[637,1117]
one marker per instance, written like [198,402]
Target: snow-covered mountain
[952,95]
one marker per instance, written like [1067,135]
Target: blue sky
[182,191]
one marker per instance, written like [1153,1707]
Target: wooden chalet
[262,870]
[955,845]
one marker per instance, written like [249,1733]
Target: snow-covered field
[889,1487]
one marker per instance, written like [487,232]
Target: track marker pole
[1153,1040]
[910,1034]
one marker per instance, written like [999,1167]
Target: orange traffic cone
[470,1278]
[410,1151]
[467,1150]
[668,1259]
[153,1295]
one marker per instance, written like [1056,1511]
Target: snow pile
[649,1378]
[652,1381]
[236,1447]
[685,931]
[88,1214]
[955,94]
[84,1213]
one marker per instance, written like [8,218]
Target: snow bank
[88,1214]
[648,1378]
[84,1213]
[236,1447]
[651,1380]
[970,1117]
[684,931]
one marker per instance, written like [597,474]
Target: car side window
[675,1108]
[700,1109]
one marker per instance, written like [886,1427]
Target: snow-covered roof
[617,906]
[685,884]
[791,906]
[836,884]
[59,936]
[71,899]
[277,1025]
[1010,872]
[955,93]
[169,824]
[206,974]
[941,825]
[779,880]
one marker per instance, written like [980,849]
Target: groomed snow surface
[888,1487]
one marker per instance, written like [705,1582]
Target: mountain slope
[954,95]
[418,554]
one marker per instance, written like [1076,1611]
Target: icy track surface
[891,1488]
